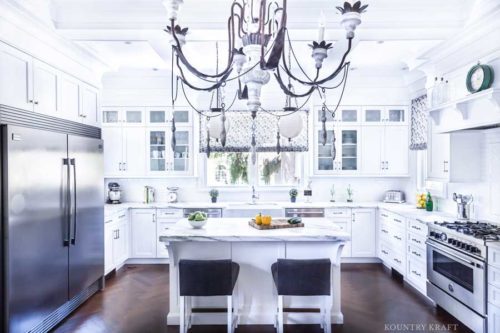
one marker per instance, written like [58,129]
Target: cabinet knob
[36,102]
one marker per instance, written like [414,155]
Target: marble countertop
[406,210]
[238,230]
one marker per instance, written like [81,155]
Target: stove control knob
[463,246]
[468,247]
[458,244]
[450,240]
[474,250]
[443,237]
[432,234]
[454,242]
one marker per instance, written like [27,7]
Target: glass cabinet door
[181,153]
[324,152]
[110,116]
[157,116]
[328,116]
[396,115]
[133,116]
[157,151]
[349,115]
[181,117]
[349,149]
[372,115]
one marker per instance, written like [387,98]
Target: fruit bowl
[197,219]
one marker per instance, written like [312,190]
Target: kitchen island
[255,251]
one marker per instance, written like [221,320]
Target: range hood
[474,112]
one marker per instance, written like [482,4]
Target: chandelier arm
[340,97]
[345,67]
[194,71]
[268,18]
[287,66]
[217,84]
[241,29]
[289,92]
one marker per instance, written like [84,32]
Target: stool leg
[280,314]
[189,304]
[328,314]
[229,314]
[182,323]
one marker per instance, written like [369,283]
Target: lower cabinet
[493,318]
[166,218]
[363,233]
[143,229]
[115,241]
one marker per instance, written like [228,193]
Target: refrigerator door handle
[67,231]
[73,207]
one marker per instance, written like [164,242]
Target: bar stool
[206,278]
[303,278]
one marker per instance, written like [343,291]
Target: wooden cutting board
[275,224]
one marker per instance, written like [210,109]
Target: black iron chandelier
[261,26]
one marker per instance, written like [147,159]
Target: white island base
[255,300]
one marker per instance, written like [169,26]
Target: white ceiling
[408,28]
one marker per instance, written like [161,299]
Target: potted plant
[293,194]
[350,193]
[214,193]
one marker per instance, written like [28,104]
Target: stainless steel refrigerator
[52,225]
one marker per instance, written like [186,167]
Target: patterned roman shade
[418,126]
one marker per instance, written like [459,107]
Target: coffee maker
[114,193]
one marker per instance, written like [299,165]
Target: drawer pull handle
[416,241]
[398,238]
[122,216]
[338,213]
[385,231]
[416,228]
[397,260]
[399,221]
[385,252]
[416,253]
[384,215]
[416,273]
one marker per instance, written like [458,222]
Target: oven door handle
[464,261]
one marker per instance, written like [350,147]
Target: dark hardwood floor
[136,300]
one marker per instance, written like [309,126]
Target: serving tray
[275,224]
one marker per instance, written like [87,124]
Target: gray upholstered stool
[206,278]
[303,278]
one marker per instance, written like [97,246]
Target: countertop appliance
[52,235]
[393,196]
[172,196]
[211,212]
[114,193]
[456,268]
[463,206]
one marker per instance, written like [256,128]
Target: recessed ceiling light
[155,69]
[380,42]
[404,68]
[353,68]
[128,42]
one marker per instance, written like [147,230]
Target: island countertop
[238,230]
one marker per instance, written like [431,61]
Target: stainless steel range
[456,269]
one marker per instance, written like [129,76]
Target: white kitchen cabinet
[69,97]
[16,79]
[392,240]
[347,151]
[387,115]
[166,218]
[115,241]
[89,109]
[164,114]
[45,89]
[143,233]
[161,159]
[385,150]
[446,152]
[493,318]
[130,116]
[363,231]
[342,218]
[124,149]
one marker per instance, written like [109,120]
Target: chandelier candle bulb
[321,27]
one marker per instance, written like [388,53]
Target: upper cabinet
[162,115]
[32,85]
[387,115]
[123,116]
[369,141]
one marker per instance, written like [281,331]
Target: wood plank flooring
[135,300]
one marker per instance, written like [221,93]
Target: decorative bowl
[198,224]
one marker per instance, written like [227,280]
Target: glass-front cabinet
[163,115]
[387,115]
[344,114]
[161,159]
[123,116]
[347,158]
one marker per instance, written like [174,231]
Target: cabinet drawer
[385,252]
[340,212]
[493,318]
[417,227]
[417,240]
[417,253]
[417,274]
[398,261]
[163,226]
[494,256]
[398,220]
[169,213]
[385,233]
[493,295]
[397,236]
[494,276]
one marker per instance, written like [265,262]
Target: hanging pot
[290,126]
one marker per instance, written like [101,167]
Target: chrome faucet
[254,196]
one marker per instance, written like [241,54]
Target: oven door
[457,274]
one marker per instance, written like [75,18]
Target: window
[271,169]
[225,169]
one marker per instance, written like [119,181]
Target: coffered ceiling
[129,33]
